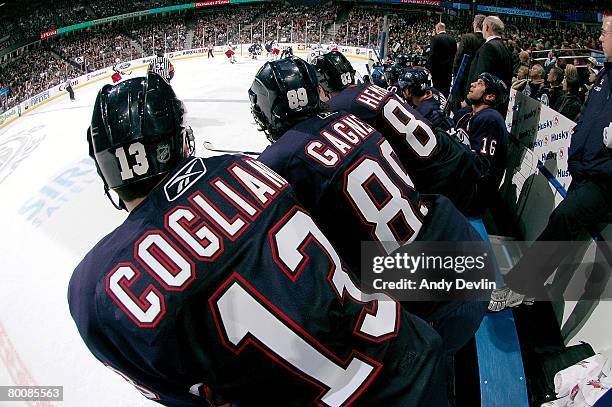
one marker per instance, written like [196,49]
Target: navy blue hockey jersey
[220,281]
[350,179]
[432,110]
[437,163]
[486,133]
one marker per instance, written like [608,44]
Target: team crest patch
[184,178]
[463,137]
[163,153]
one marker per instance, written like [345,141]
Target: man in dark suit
[440,62]
[469,45]
[493,56]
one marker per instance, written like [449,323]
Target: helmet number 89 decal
[297,98]
[140,168]
[345,78]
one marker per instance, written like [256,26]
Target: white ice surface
[54,211]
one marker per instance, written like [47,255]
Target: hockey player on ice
[275,50]
[287,52]
[315,51]
[230,53]
[69,89]
[117,72]
[272,50]
[268,47]
[254,50]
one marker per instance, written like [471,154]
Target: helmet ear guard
[190,139]
[120,205]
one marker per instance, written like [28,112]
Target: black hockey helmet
[494,86]
[334,71]
[283,93]
[137,134]
[393,72]
[417,80]
[400,60]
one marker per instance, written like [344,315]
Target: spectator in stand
[571,72]
[561,64]
[591,80]
[554,88]
[98,47]
[523,60]
[469,45]
[520,81]
[550,62]
[536,85]
[493,57]
[570,104]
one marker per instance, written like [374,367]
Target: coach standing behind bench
[492,57]
[440,62]
[470,44]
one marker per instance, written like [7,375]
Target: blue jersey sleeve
[430,109]
[308,180]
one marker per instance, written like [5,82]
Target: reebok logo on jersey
[184,178]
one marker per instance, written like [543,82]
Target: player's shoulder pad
[489,115]
[459,114]
[314,124]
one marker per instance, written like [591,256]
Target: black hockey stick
[209,146]
[454,97]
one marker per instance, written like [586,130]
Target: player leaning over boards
[204,292]
[437,163]
[347,176]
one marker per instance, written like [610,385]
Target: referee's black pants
[578,217]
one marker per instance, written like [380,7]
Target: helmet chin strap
[190,140]
[119,206]
[326,92]
[480,101]
[270,138]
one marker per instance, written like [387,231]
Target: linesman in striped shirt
[162,66]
